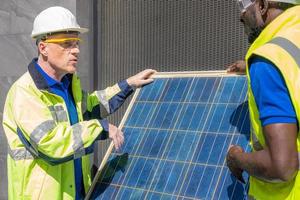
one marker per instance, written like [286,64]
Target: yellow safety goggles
[66,43]
[61,40]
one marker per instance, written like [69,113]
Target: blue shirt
[62,89]
[270,92]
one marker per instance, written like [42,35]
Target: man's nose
[75,50]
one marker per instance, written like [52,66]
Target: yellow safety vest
[279,43]
[41,142]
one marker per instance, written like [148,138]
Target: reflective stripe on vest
[59,113]
[78,143]
[104,104]
[289,47]
[78,146]
[41,130]
[20,154]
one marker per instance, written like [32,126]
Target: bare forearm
[257,164]
[260,165]
[277,161]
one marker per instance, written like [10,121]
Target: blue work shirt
[62,89]
[270,92]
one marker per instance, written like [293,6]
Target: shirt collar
[65,81]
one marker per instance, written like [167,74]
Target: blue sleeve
[118,100]
[105,125]
[271,94]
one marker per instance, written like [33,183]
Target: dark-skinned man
[272,68]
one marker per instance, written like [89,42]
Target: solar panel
[178,130]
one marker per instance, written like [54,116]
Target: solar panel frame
[193,163]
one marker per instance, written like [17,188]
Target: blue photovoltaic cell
[177,135]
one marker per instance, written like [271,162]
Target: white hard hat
[288,1]
[55,19]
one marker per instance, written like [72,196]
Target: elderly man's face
[250,19]
[63,52]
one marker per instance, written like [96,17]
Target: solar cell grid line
[139,146]
[219,126]
[150,148]
[177,131]
[244,121]
[156,116]
[151,117]
[163,154]
[225,109]
[129,175]
[198,144]
[226,171]
[209,154]
[232,89]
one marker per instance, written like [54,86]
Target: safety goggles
[66,43]
[244,4]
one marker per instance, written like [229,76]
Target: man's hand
[238,67]
[116,135]
[141,78]
[231,162]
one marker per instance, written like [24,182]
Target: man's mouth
[73,60]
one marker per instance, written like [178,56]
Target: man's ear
[263,7]
[42,48]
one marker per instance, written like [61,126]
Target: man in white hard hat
[273,72]
[51,125]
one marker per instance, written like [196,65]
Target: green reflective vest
[41,142]
[279,43]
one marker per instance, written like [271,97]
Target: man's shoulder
[19,88]
[23,81]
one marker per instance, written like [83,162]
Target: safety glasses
[244,4]
[66,43]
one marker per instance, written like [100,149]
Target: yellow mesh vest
[279,43]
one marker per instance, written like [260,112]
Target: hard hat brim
[80,30]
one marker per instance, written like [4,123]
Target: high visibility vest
[41,142]
[279,43]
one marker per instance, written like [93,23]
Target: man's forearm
[277,161]
[257,164]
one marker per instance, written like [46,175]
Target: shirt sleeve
[100,104]
[271,94]
[117,100]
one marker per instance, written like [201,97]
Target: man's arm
[100,104]
[278,161]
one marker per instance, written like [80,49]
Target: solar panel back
[177,131]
